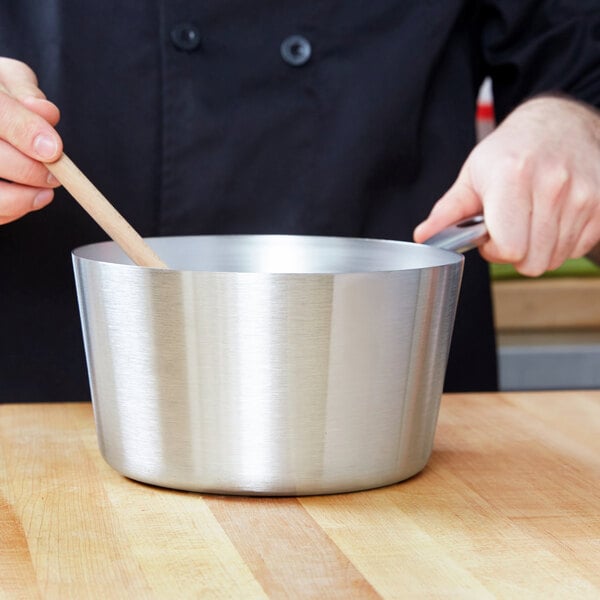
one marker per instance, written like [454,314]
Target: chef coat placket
[238,118]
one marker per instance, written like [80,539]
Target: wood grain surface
[547,304]
[508,507]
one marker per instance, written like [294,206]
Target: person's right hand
[27,140]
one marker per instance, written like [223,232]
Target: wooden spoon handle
[104,213]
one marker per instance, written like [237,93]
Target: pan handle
[461,236]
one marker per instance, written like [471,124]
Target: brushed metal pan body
[268,365]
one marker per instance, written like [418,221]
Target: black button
[295,50]
[185,36]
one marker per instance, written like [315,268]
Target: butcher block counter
[508,507]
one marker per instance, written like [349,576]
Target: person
[326,119]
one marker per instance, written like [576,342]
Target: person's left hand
[536,179]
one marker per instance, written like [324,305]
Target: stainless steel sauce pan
[269,365]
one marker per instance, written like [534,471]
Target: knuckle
[28,71]
[509,166]
[583,197]
[13,128]
[22,131]
[530,270]
[18,126]
[557,180]
[29,173]
[12,67]
[494,252]
[517,164]
[521,164]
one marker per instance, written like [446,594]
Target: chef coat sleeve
[536,46]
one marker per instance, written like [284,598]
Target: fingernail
[42,198]
[51,180]
[45,146]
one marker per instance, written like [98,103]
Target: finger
[589,237]
[502,248]
[543,234]
[577,212]
[17,200]
[46,109]
[27,131]
[18,168]
[458,203]
[507,205]
[550,186]
[18,79]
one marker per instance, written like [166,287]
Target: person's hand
[536,179]
[27,139]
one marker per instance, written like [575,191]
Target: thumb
[458,203]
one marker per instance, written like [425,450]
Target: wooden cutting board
[508,507]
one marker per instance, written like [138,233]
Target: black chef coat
[210,117]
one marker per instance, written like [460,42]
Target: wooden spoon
[104,213]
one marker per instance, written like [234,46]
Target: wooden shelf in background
[547,304]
